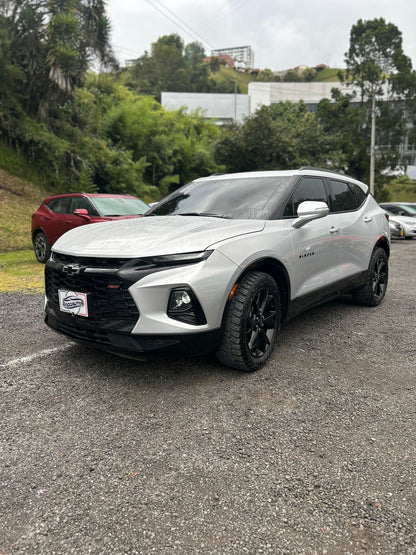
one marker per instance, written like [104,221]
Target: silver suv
[219,265]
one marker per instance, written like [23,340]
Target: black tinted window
[360,195]
[342,198]
[59,205]
[310,188]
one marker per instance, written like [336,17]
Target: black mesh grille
[91,262]
[108,295]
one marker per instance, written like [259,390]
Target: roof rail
[321,170]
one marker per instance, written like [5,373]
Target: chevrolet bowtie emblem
[72,269]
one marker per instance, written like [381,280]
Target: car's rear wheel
[42,247]
[251,323]
[374,289]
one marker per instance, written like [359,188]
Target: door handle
[334,229]
[368,219]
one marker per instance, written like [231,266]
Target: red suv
[60,213]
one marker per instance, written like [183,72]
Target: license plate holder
[73,302]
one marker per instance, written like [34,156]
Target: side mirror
[82,212]
[310,210]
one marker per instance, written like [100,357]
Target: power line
[189,31]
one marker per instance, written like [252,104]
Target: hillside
[18,200]
[243,79]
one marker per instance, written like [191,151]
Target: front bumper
[127,311]
[134,346]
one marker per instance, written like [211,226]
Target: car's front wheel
[374,288]
[251,323]
[42,247]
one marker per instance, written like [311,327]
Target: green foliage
[401,189]
[265,75]
[171,143]
[377,64]
[280,136]
[375,57]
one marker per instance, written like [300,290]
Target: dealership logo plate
[73,302]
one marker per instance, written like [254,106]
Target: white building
[243,54]
[223,108]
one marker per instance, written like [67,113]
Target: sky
[283,33]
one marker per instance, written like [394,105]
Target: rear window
[342,198]
[59,205]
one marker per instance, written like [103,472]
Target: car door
[358,225]
[76,220]
[314,267]
[57,223]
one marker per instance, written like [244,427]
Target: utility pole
[373,143]
[235,99]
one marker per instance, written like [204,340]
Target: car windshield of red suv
[120,206]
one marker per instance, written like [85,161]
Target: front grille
[91,262]
[109,301]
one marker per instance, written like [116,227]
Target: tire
[42,247]
[374,289]
[251,323]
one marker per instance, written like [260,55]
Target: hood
[152,236]
[406,220]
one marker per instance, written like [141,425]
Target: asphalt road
[315,453]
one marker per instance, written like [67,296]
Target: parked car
[400,208]
[396,229]
[60,213]
[219,265]
[407,223]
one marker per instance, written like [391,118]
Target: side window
[310,188]
[341,196]
[393,209]
[81,202]
[360,196]
[59,205]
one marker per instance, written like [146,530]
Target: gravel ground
[313,454]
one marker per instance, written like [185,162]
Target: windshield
[236,198]
[410,208]
[120,206]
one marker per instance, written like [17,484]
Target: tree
[281,136]
[265,75]
[53,42]
[377,65]
[194,54]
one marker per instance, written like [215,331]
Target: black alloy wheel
[374,289]
[251,323]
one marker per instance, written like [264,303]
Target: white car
[219,265]
[396,229]
[407,223]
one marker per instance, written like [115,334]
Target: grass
[242,79]
[18,200]
[329,74]
[15,163]
[20,271]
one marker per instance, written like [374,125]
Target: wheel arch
[278,272]
[383,244]
[37,230]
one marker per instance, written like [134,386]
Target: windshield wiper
[207,214]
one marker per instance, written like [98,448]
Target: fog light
[184,306]
[180,299]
